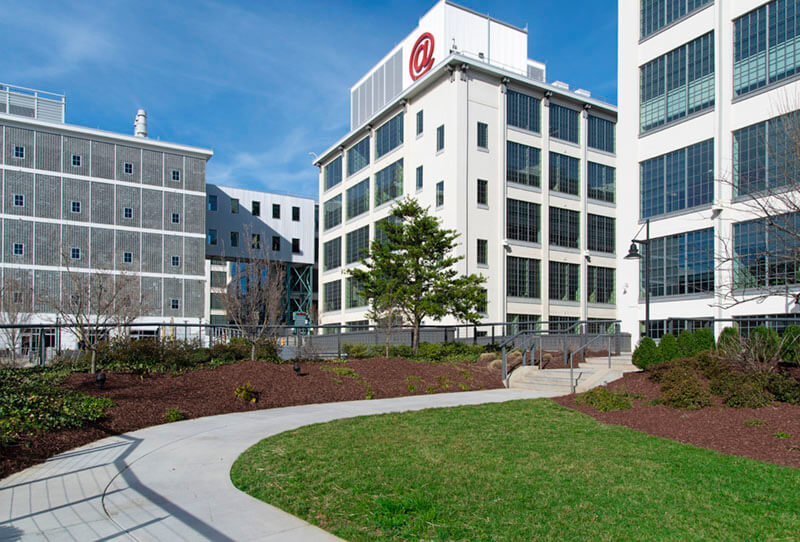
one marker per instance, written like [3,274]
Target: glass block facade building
[458,117]
[708,99]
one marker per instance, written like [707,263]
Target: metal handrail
[571,354]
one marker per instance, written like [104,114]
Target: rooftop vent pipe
[140,124]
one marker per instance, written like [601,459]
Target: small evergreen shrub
[246,393]
[683,389]
[764,343]
[355,351]
[729,340]
[605,400]
[790,351]
[784,388]
[646,353]
[709,364]
[668,347]
[686,343]
[703,340]
[174,415]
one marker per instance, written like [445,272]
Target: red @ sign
[421,56]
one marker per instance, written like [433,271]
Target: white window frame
[127,213]
[176,218]
[21,251]
[73,205]
[19,152]
[76,160]
[176,175]
[21,199]
[176,259]
[73,251]
[127,257]
[128,166]
[175,304]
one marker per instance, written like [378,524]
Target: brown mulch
[716,427]
[142,402]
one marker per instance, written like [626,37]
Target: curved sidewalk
[172,482]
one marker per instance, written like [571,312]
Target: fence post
[493,341]
[505,370]
[339,344]
[41,347]
[609,351]
[474,334]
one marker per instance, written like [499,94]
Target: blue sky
[261,83]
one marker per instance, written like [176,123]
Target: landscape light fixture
[100,379]
[296,368]
[634,254]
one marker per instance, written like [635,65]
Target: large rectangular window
[600,181]
[564,173]
[767,253]
[565,284]
[522,322]
[600,234]
[524,221]
[601,134]
[765,155]
[564,123]
[353,296]
[523,277]
[332,296]
[523,111]
[679,180]
[523,164]
[600,287]
[332,210]
[333,173]
[389,183]
[358,199]
[358,156]
[677,84]
[681,264]
[332,254]
[656,14]
[389,136]
[564,227]
[357,244]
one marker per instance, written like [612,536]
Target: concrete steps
[591,373]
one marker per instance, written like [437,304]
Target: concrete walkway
[172,482]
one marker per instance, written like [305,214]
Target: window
[332,211]
[522,322]
[389,183]
[127,257]
[440,138]
[19,200]
[681,264]
[234,206]
[764,155]
[176,218]
[440,193]
[295,245]
[276,211]
[564,173]
[19,249]
[218,279]
[522,277]
[333,173]
[276,243]
[600,286]
[357,244]
[564,227]
[332,296]
[524,221]
[75,253]
[75,207]
[212,237]
[176,175]
[358,156]
[127,212]
[483,192]
[601,134]
[419,178]
[563,123]
[523,111]
[389,136]
[483,135]
[380,234]
[677,84]
[76,160]
[256,208]
[564,324]
[483,252]
[358,199]
[128,168]
[234,239]
[601,182]
[564,281]
[656,14]
[766,253]
[483,304]
[332,254]
[601,233]
[679,180]
[353,296]
[212,203]
[176,261]
[766,44]
[419,123]
[175,304]
[523,164]
[19,152]
[295,214]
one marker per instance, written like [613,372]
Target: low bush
[790,349]
[668,347]
[784,388]
[246,392]
[682,388]
[709,363]
[739,390]
[174,415]
[355,351]
[686,343]
[606,400]
[729,340]
[646,353]
[764,343]
[703,340]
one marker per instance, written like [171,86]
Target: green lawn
[521,470]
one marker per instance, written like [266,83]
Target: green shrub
[703,340]
[687,344]
[400,351]
[790,350]
[784,388]
[683,389]
[246,393]
[740,390]
[764,343]
[729,340]
[355,351]
[668,347]
[429,352]
[709,364]
[605,400]
[174,415]
[646,353]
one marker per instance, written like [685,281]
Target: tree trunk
[93,360]
[415,338]
[253,350]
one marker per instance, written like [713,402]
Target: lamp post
[633,254]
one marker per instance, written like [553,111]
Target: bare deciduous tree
[16,298]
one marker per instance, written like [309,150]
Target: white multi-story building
[457,116]
[245,223]
[702,87]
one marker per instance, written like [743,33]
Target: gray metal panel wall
[152,201]
[102,248]
[195,174]
[2,255]
[127,241]
[173,246]
[48,151]
[173,203]
[195,298]
[173,289]
[173,162]
[102,203]
[18,231]
[19,137]
[75,237]
[76,190]
[194,251]
[46,290]
[2,135]
[152,167]
[195,214]
[48,242]
[151,296]
[18,182]
[80,147]
[133,157]
[48,196]
[102,160]
[74,283]
[128,196]
[151,253]
[24,285]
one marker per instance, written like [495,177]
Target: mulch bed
[716,427]
[142,402]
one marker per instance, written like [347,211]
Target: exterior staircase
[591,373]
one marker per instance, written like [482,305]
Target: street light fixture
[634,254]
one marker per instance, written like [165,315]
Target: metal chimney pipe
[140,124]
